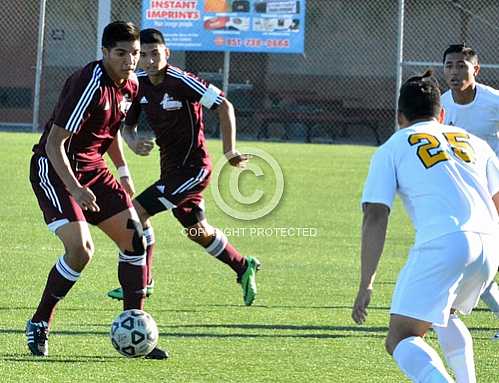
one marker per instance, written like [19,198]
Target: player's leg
[125,230]
[118,219]
[150,242]
[147,204]
[455,339]
[491,298]
[457,345]
[64,218]
[215,242]
[79,249]
[427,288]
[416,358]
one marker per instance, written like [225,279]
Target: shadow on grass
[58,359]
[201,334]
[94,309]
[298,331]
[32,308]
[249,326]
[192,334]
[292,307]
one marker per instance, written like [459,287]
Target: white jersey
[445,177]
[480,117]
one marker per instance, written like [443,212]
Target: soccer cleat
[496,336]
[118,293]
[157,354]
[37,335]
[248,280]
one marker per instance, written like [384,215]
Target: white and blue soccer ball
[134,333]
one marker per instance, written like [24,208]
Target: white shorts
[448,272]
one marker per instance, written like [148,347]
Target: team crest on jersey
[169,103]
[125,103]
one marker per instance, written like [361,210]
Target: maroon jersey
[174,112]
[91,107]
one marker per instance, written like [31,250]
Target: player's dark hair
[468,52]
[151,36]
[119,31]
[420,97]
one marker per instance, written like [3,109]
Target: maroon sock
[221,249]
[56,288]
[133,282]
[231,257]
[149,259]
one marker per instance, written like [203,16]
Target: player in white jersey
[448,180]
[474,107]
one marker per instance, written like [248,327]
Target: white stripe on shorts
[189,185]
[168,204]
[43,173]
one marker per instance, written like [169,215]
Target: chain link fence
[342,90]
[19,31]
[431,26]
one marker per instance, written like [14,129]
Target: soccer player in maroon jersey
[74,187]
[173,100]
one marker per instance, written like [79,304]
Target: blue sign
[272,26]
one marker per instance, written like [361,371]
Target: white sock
[218,245]
[457,345]
[491,298]
[420,362]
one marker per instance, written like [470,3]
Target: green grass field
[299,328]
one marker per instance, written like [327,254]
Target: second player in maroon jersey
[173,102]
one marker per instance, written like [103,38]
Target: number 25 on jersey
[430,154]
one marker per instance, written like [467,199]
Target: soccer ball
[134,333]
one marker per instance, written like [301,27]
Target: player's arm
[59,160]
[495,198]
[227,119]
[377,198]
[212,98]
[115,152]
[139,145]
[492,170]
[374,225]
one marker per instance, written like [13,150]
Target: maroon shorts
[59,207]
[181,192]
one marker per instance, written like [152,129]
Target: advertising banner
[272,26]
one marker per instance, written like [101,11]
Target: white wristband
[123,171]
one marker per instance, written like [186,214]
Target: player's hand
[142,146]
[85,198]
[238,160]
[359,311]
[128,185]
